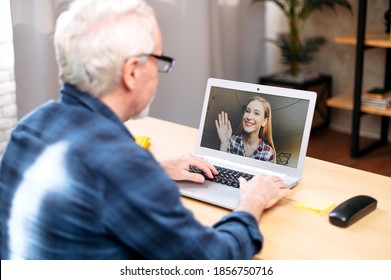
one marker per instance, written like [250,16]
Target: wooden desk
[291,232]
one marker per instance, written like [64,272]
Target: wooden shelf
[371,40]
[362,41]
[345,102]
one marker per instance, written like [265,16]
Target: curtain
[36,75]
[237,39]
[218,38]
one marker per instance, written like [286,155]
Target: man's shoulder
[63,120]
[81,129]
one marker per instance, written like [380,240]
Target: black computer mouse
[351,210]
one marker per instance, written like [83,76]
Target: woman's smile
[249,123]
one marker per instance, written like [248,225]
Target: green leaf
[293,50]
[303,53]
[311,5]
[283,6]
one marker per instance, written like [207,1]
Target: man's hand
[178,168]
[260,193]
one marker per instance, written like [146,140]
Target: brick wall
[8,112]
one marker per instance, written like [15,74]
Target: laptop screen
[245,112]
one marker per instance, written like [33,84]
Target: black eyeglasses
[164,63]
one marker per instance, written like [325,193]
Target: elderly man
[75,185]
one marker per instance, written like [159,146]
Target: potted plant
[295,48]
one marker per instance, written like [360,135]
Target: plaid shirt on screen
[264,152]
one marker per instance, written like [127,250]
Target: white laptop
[292,113]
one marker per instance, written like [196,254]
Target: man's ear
[130,72]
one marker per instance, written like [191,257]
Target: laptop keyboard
[226,176]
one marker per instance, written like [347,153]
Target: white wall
[7,81]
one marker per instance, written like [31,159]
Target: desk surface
[291,232]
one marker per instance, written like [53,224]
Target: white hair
[93,38]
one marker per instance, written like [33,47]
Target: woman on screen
[255,138]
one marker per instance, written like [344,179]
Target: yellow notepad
[143,141]
[319,205]
[312,201]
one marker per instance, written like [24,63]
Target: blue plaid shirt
[75,185]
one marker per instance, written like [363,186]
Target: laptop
[291,120]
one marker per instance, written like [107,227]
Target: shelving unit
[352,102]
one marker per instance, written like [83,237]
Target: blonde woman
[255,138]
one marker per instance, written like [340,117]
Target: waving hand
[224,130]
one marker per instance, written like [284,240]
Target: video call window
[288,117]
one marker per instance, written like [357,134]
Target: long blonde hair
[265,133]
